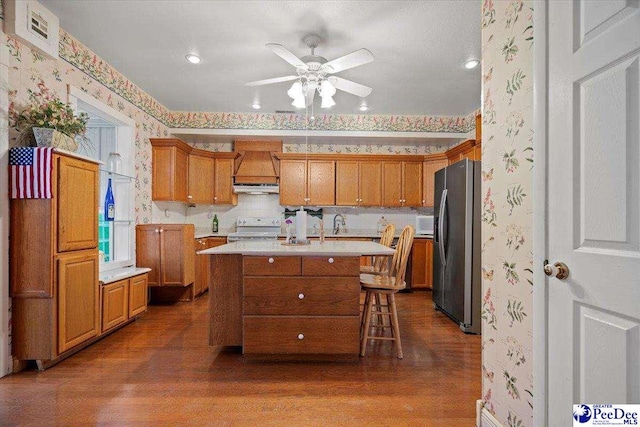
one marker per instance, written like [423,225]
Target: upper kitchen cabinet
[469,149]
[307,182]
[170,158]
[223,183]
[77,189]
[201,175]
[432,164]
[401,183]
[184,174]
[358,182]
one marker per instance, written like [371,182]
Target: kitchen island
[287,301]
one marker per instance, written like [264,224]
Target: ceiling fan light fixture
[327,101]
[299,102]
[295,91]
[194,59]
[471,64]
[327,89]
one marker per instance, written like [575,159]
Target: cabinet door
[370,183]
[148,251]
[200,282]
[347,183]
[419,264]
[169,174]
[430,169]
[321,182]
[293,182]
[391,184]
[201,179]
[171,260]
[77,204]
[412,184]
[223,187]
[78,299]
[137,295]
[429,264]
[114,304]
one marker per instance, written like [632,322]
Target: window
[109,131]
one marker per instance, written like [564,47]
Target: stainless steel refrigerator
[456,244]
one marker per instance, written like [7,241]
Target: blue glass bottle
[109,204]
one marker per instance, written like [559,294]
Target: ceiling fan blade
[270,81]
[351,87]
[354,59]
[285,54]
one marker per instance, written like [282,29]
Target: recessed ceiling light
[194,59]
[256,106]
[363,106]
[470,64]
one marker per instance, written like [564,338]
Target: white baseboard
[484,418]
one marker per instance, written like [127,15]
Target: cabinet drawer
[271,266]
[331,266]
[302,296]
[301,335]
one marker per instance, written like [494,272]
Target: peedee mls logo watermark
[606,415]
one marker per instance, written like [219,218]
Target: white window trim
[126,128]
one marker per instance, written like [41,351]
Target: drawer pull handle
[300,296]
[271,260]
[330,260]
[300,336]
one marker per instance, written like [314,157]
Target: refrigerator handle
[443,200]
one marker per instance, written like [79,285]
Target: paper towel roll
[301,226]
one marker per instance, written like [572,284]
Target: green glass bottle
[214,225]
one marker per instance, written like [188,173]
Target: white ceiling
[419,47]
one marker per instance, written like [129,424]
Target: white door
[593,204]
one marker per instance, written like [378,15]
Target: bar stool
[386,286]
[379,263]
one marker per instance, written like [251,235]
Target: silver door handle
[443,200]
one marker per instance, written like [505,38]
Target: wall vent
[33,24]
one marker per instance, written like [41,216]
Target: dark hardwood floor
[160,371]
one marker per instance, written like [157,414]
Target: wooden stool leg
[367,322]
[380,318]
[364,310]
[394,324]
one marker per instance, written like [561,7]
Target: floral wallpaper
[31,76]
[357,148]
[323,122]
[507,163]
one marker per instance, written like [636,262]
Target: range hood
[256,189]
[257,170]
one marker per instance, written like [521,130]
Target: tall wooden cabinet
[54,264]
[168,250]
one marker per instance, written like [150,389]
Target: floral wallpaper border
[76,54]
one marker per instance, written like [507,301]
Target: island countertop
[276,248]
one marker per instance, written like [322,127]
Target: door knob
[559,270]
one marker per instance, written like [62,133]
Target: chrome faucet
[336,224]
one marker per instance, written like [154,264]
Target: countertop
[350,233]
[276,248]
[121,274]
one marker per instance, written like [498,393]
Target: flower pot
[46,137]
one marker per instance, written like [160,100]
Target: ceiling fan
[315,73]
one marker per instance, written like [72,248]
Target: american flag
[30,171]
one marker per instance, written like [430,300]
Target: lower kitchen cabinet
[114,304]
[78,300]
[422,264]
[203,263]
[123,300]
